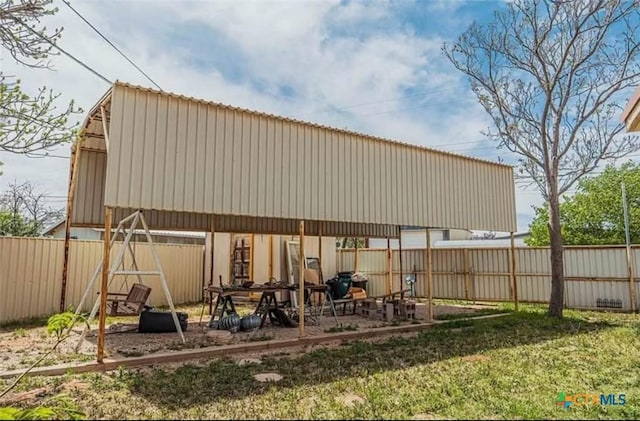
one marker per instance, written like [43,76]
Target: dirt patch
[21,347]
[29,397]
[268,377]
[351,400]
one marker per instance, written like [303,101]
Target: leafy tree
[30,123]
[549,74]
[594,214]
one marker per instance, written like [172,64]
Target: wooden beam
[104,284]
[270,256]
[105,128]
[429,262]
[400,256]
[320,250]
[355,259]
[514,281]
[301,282]
[212,230]
[389,266]
[73,177]
[252,240]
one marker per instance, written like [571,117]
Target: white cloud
[383,78]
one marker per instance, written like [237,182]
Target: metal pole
[514,281]
[632,284]
[104,283]
[301,282]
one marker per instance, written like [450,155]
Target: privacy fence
[31,274]
[596,277]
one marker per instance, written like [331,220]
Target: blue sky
[373,67]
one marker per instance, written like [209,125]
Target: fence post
[514,281]
[467,273]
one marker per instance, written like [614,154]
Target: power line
[111,44]
[63,51]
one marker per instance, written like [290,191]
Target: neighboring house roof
[516,235]
[51,228]
[180,234]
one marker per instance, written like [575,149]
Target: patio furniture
[132,303]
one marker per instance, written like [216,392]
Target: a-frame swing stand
[135,218]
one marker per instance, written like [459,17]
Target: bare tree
[550,74]
[30,123]
[25,211]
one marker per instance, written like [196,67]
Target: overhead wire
[96,30]
[62,50]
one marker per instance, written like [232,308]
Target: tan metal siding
[31,268]
[590,273]
[261,160]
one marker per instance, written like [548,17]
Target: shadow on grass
[194,385]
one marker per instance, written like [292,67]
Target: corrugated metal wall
[31,269]
[207,158]
[591,273]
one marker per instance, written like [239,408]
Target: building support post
[73,177]
[400,256]
[104,284]
[428,261]
[301,263]
[389,266]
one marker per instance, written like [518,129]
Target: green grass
[510,367]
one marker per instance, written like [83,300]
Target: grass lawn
[512,366]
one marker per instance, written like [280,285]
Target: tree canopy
[593,215]
[30,122]
[551,76]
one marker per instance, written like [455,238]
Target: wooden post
[467,273]
[212,273]
[429,278]
[514,281]
[355,260]
[103,285]
[400,256]
[251,249]
[320,251]
[389,266]
[301,282]
[73,177]
[270,256]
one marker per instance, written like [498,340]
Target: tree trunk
[556,302]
